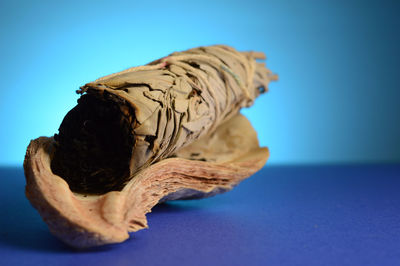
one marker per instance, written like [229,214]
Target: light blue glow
[337,99]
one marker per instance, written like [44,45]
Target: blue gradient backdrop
[337,100]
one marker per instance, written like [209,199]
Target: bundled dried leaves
[167,130]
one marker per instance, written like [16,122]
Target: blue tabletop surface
[283,215]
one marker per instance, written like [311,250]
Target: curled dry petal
[91,220]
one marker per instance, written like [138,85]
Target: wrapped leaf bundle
[168,130]
[129,120]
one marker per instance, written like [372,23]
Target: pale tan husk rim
[86,220]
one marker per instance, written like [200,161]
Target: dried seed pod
[168,130]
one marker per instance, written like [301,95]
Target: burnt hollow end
[94,144]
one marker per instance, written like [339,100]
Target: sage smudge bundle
[167,130]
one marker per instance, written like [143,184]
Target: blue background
[335,106]
[337,100]
[283,215]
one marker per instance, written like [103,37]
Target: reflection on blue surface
[338,61]
[304,215]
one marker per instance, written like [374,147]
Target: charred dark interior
[94,144]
